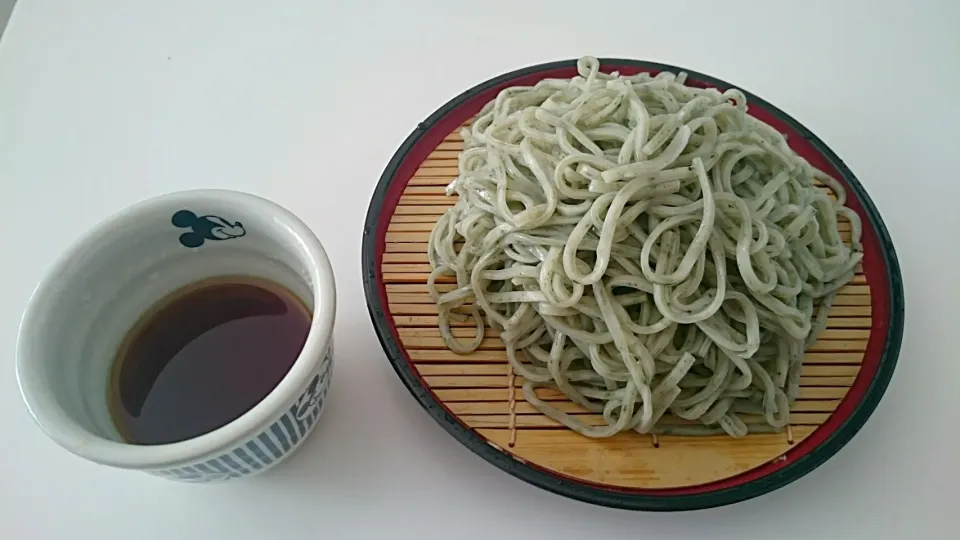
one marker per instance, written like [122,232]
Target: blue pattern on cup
[270,445]
[205,228]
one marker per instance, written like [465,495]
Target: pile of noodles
[648,246]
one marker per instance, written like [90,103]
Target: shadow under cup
[82,311]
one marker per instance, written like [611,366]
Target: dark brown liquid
[203,356]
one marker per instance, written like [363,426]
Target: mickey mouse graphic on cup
[205,228]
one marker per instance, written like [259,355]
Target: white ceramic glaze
[94,293]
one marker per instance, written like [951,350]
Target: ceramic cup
[83,308]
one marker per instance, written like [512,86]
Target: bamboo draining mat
[475,387]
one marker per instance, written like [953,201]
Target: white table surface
[104,103]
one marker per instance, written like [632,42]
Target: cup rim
[65,432]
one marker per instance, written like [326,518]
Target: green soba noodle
[648,246]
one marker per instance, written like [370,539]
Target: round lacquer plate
[844,375]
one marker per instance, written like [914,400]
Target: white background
[104,103]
